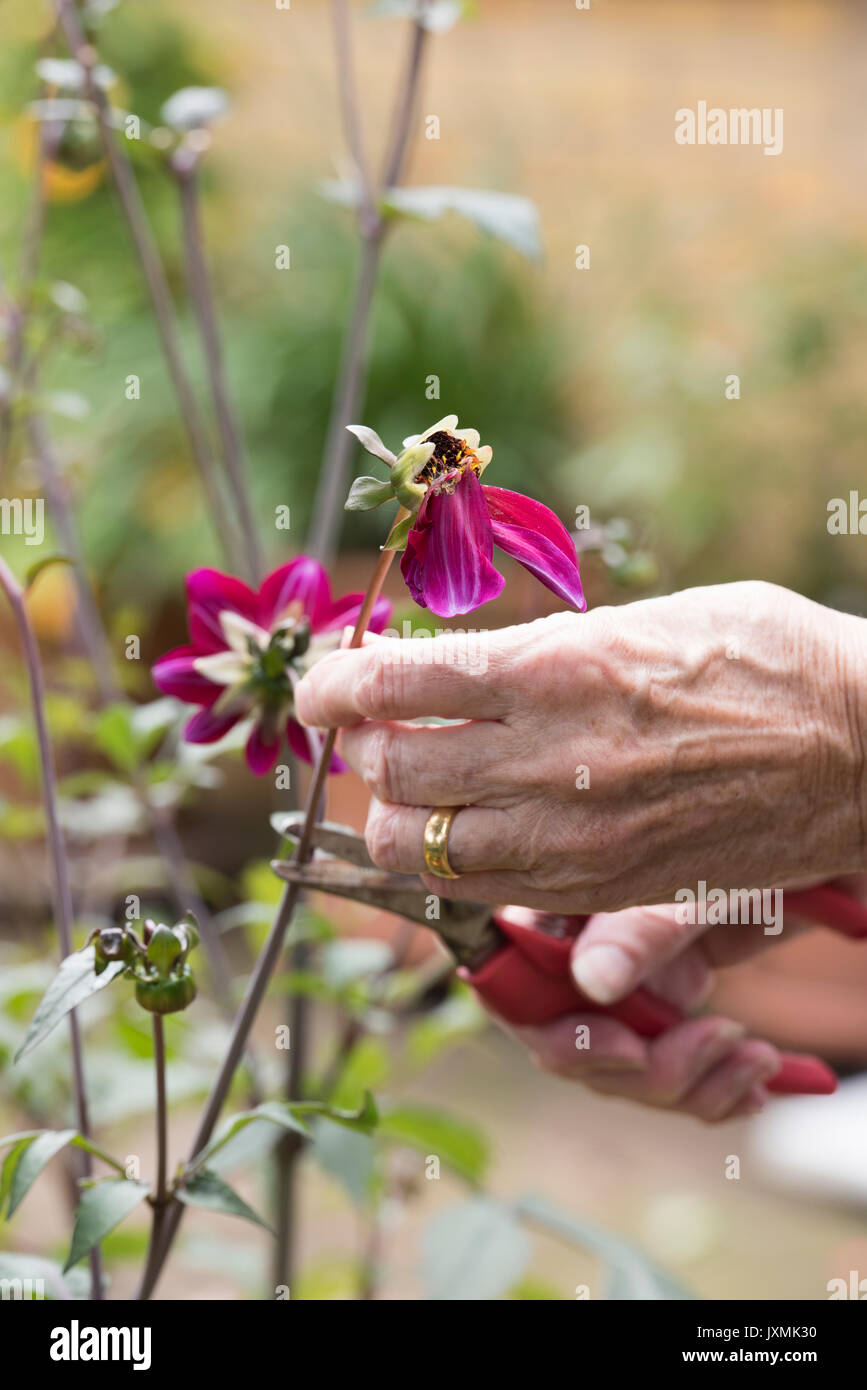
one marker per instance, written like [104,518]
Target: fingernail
[753,1074]
[722,1038]
[604,973]
[755,1100]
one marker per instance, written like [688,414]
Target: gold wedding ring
[436,841]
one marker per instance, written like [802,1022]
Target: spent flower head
[455,520]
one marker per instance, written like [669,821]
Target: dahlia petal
[297,738]
[261,751]
[344,611]
[515,509]
[448,423]
[471,438]
[543,559]
[240,632]
[176,674]
[302,581]
[223,668]
[447,562]
[207,726]
[209,593]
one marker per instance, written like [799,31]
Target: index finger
[455,676]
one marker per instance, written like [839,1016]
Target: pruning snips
[518,960]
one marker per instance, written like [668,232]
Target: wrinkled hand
[614,758]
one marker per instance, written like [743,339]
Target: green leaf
[273,1112]
[19,747]
[17,1138]
[459,1144]
[350,1157]
[367,1065]
[32,1158]
[31,1268]
[399,534]
[10,1163]
[506,216]
[114,736]
[207,1189]
[30,1155]
[102,1207]
[475,1251]
[367,493]
[74,982]
[287,1115]
[35,570]
[365,1118]
[631,1275]
[79,1142]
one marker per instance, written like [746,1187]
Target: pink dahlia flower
[245,647]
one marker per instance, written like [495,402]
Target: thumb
[616,951]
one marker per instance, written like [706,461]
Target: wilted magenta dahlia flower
[457,521]
[245,647]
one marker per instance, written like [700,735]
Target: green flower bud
[187,933]
[167,996]
[164,948]
[112,943]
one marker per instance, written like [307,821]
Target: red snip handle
[529,982]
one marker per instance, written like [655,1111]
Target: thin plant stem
[272,950]
[371,1259]
[346,401]
[162,1109]
[155,278]
[160,1197]
[347,91]
[186,174]
[93,635]
[395,163]
[339,444]
[63,912]
[291,1144]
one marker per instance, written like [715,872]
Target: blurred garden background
[601,387]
